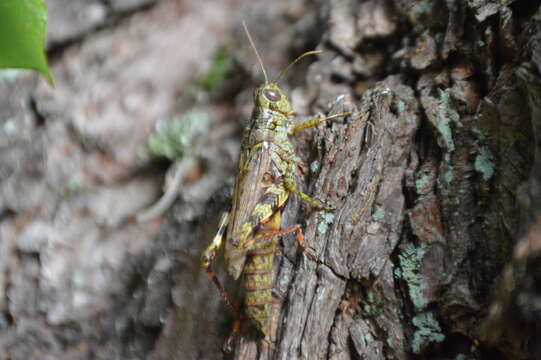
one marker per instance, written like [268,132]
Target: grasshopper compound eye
[267,179]
[272,95]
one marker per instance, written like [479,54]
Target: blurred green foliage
[23,25]
[222,63]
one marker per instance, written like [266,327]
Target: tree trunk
[434,180]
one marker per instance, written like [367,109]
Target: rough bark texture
[432,251]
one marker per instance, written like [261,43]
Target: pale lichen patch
[410,259]
[328,219]
[378,215]
[447,114]
[428,331]
[484,163]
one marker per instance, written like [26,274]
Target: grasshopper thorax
[270,97]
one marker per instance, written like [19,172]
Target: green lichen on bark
[374,302]
[449,175]
[314,166]
[428,331]
[421,183]
[401,106]
[328,219]
[410,259]
[378,215]
[446,115]
[484,163]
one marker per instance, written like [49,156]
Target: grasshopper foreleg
[315,122]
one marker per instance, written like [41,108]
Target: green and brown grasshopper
[266,178]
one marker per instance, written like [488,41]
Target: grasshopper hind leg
[294,228]
[208,257]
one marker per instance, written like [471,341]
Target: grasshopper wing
[256,167]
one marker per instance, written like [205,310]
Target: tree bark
[423,177]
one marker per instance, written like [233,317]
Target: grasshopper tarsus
[232,338]
[268,343]
[300,241]
[328,208]
[229,344]
[310,255]
[325,207]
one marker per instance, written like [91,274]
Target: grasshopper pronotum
[265,179]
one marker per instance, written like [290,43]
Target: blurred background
[109,178]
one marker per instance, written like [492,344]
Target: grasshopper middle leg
[291,186]
[289,177]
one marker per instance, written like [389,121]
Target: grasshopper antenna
[283,72]
[255,50]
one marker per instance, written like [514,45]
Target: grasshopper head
[270,96]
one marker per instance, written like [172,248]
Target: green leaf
[23,25]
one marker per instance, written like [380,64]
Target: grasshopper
[266,178]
